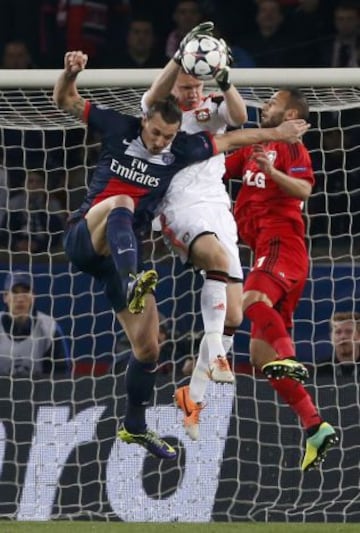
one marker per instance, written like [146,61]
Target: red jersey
[261,203]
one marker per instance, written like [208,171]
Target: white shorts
[180,228]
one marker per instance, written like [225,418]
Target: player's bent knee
[122,200]
[251,297]
[208,253]
[234,318]
[147,349]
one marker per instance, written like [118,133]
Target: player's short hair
[297,100]
[344,316]
[168,109]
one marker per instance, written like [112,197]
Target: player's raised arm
[65,93]
[235,106]
[289,131]
[164,82]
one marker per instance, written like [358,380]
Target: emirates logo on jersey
[202,115]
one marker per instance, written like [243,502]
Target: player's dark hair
[297,100]
[168,109]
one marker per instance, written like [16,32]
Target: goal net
[59,457]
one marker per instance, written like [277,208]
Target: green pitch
[214,527]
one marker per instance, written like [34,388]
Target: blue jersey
[125,166]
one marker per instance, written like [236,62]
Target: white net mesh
[58,453]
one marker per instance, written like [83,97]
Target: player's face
[158,134]
[346,341]
[188,91]
[274,110]
[19,301]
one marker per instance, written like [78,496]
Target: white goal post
[265,77]
[59,458]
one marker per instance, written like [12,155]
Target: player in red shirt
[277,178]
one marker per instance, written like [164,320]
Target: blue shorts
[80,251]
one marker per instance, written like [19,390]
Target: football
[203,57]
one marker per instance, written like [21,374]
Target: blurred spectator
[225,13]
[345,338]
[268,45]
[141,49]
[310,22]
[19,22]
[33,222]
[176,350]
[187,14]
[241,58]
[343,48]
[90,26]
[16,55]
[31,343]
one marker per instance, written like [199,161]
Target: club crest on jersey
[168,158]
[186,237]
[271,155]
[202,115]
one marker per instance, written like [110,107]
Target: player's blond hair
[345,316]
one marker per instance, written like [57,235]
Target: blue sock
[122,242]
[139,381]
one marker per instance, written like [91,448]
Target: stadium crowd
[140,34]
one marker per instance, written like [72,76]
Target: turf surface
[214,527]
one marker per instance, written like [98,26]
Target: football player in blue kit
[138,159]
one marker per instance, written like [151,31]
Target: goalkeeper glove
[205,28]
[223,76]
[223,79]
[228,51]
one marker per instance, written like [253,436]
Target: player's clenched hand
[75,62]
[262,158]
[204,28]
[290,130]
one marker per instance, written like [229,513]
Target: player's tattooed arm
[65,92]
[76,107]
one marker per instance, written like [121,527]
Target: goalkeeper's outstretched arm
[65,93]
[162,85]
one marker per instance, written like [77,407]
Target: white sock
[213,306]
[227,341]
[200,376]
[213,310]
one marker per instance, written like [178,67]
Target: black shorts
[79,249]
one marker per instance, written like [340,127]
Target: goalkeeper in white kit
[197,223]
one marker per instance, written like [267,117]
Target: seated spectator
[343,48]
[141,50]
[310,23]
[186,16]
[31,343]
[268,45]
[16,55]
[345,339]
[33,223]
[81,25]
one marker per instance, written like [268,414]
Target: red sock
[297,397]
[268,326]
